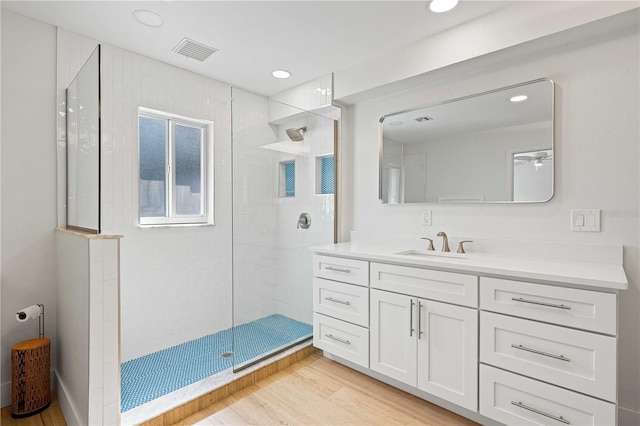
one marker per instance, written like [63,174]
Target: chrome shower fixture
[297,135]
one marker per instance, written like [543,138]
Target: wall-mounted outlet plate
[425,218]
[585,220]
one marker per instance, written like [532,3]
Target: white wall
[73,321]
[28,177]
[254,211]
[596,156]
[519,23]
[176,282]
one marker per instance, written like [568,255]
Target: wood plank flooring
[318,391]
[52,416]
[314,391]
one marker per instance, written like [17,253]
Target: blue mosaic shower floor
[151,376]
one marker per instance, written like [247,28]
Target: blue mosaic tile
[154,375]
[290,179]
[327,175]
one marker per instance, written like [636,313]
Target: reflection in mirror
[83,147]
[493,147]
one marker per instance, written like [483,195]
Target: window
[176,169]
[287,179]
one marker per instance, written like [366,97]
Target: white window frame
[206,172]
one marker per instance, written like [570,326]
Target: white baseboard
[628,417]
[69,410]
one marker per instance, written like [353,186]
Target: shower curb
[205,401]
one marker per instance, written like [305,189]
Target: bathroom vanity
[518,340]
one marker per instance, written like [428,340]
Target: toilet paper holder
[29,312]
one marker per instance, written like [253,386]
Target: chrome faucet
[445,241]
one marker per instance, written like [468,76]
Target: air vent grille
[421,119]
[193,49]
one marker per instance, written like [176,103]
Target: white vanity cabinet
[426,344]
[499,342]
[554,335]
[341,308]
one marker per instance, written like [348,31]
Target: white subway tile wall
[104,365]
[272,260]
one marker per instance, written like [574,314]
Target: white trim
[69,409]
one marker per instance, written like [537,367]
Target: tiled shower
[195,301]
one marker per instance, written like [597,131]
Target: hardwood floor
[317,391]
[314,391]
[52,416]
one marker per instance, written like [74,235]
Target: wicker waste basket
[30,373]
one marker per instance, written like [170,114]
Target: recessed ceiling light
[395,123]
[147,17]
[519,98]
[281,74]
[439,6]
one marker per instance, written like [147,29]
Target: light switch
[585,220]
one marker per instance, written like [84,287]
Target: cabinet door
[448,352]
[393,335]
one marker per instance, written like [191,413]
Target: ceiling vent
[193,49]
[421,119]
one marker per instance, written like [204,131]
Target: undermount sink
[425,253]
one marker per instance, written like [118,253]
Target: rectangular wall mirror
[491,147]
[83,147]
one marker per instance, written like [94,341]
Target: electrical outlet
[425,218]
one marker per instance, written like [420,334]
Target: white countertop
[602,276]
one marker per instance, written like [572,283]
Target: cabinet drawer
[449,287]
[341,338]
[578,360]
[342,301]
[516,400]
[589,310]
[338,269]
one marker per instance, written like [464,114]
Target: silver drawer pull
[332,268]
[524,348]
[342,302]
[331,336]
[542,413]
[534,302]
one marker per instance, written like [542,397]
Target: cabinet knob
[461,246]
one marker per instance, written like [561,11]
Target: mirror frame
[381,142]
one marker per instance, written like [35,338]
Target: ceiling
[308,38]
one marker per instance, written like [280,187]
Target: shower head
[297,135]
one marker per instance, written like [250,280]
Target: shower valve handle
[304,221]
